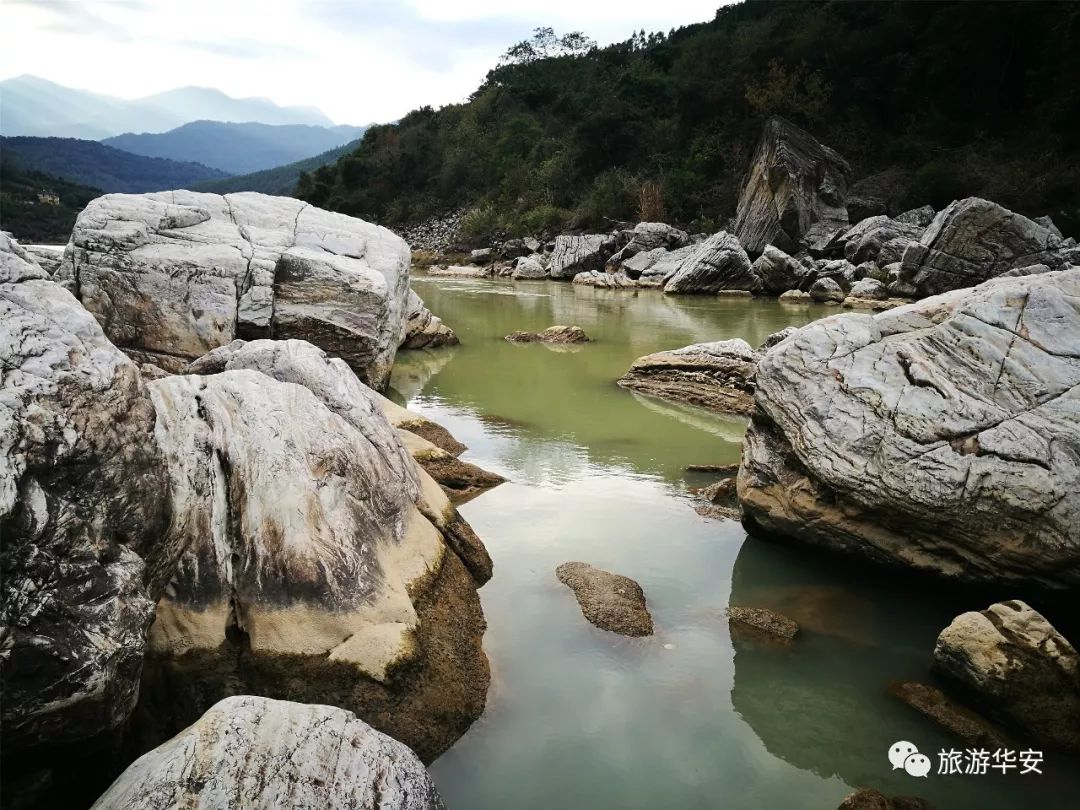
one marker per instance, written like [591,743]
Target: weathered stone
[461,271]
[841,271]
[794,183]
[175,274]
[826,290]
[777,337]
[47,257]
[870,799]
[553,334]
[422,329]
[482,256]
[460,480]
[864,241]
[920,217]
[973,240]
[718,263]
[610,601]
[275,754]
[321,563]
[752,621]
[795,297]
[579,254]
[868,288]
[605,281]
[529,267]
[649,236]
[659,266]
[718,376]
[942,436]
[778,271]
[514,248]
[82,509]
[877,194]
[404,419]
[958,720]
[1013,664]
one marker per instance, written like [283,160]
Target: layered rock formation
[648,236]
[267,754]
[778,271]
[973,240]
[794,184]
[422,329]
[579,254]
[174,274]
[1014,665]
[941,436]
[83,500]
[718,375]
[718,263]
[322,564]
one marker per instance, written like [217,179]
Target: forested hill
[962,97]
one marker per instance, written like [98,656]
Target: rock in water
[174,274]
[610,601]
[870,799]
[942,435]
[718,263]
[960,721]
[718,375]
[553,334]
[793,184]
[83,498]
[778,271]
[265,754]
[762,623]
[320,560]
[973,240]
[1012,663]
[422,329]
[579,254]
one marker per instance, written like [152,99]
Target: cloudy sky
[357,60]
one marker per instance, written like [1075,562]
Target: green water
[581,718]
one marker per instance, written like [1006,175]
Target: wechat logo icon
[903,754]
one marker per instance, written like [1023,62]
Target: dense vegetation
[280,180]
[26,216]
[963,97]
[93,164]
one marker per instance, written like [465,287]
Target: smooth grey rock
[777,337]
[864,241]
[942,435]
[422,329]
[868,288]
[826,290]
[47,257]
[579,254]
[718,263]
[1048,223]
[794,297]
[264,754]
[482,256]
[82,516]
[973,240]
[718,375]
[794,183]
[841,271]
[529,267]
[1013,664]
[174,274]
[610,601]
[778,271]
[648,236]
[311,534]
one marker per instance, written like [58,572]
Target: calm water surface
[581,718]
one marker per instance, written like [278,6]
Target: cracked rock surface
[174,274]
[718,263]
[422,329]
[263,754]
[942,435]
[579,254]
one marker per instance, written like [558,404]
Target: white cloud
[357,60]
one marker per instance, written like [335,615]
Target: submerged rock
[553,334]
[794,184]
[174,274]
[973,240]
[1011,662]
[762,622]
[321,563]
[718,376]
[940,436]
[579,254]
[422,329]
[259,753]
[718,263]
[610,601]
[83,508]
[958,720]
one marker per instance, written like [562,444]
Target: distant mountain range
[237,148]
[280,180]
[90,163]
[30,105]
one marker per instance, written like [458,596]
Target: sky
[359,61]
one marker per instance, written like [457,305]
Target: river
[580,718]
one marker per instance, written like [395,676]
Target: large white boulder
[943,435]
[263,754]
[174,274]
